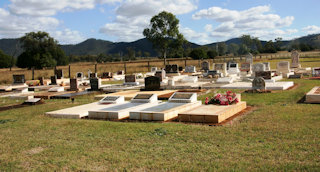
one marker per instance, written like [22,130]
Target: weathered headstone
[73,84]
[190,69]
[283,67]
[245,67]
[258,67]
[258,84]
[267,65]
[263,74]
[249,58]
[53,80]
[205,65]
[152,83]
[95,84]
[18,79]
[161,74]
[154,69]
[221,67]
[130,78]
[59,73]
[295,59]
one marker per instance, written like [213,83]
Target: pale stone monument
[258,67]
[267,64]
[190,69]
[221,68]
[249,58]
[233,68]
[283,67]
[295,59]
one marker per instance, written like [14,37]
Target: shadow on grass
[301,101]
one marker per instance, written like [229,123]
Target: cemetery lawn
[280,135]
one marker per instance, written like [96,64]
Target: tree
[222,48]
[198,53]
[278,42]
[212,54]
[269,47]
[164,34]
[258,45]
[5,60]
[243,49]
[233,48]
[40,50]
[246,40]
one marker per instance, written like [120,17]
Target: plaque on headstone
[258,84]
[18,79]
[161,74]
[143,96]
[181,96]
[130,78]
[152,83]
[73,84]
[245,67]
[54,80]
[295,59]
[59,73]
[79,75]
[95,84]
[263,74]
[267,65]
[205,66]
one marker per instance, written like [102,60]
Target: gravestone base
[131,83]
[172,74]
[225,80]
[313,96]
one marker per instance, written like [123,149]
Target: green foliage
[198,53]
[278,42]
[233,49]
[212,54]
[243,49]
[5,60]
[164,33]
[40,50]
[222,48]
[269,47]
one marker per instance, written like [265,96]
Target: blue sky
[201,21]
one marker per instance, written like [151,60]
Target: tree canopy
[40,50]
[5,60]
[164,34]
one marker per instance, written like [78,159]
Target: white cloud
[134,15]
[311,29]
[199,37]
[256,21]
[67,36]
[52,7]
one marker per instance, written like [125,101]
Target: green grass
[280,135]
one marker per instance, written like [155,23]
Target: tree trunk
[165,57]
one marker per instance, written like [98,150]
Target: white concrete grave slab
[82,110]
[225,80]
[56,89]
[121,111]
[269,85]
[190,79]
[313,96]
[177,103]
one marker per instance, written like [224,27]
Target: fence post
[125,68]
[185,62]
[148,65]
[69,71]
[95,68]
[32,73]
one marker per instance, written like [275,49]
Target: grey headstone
[130,78]
[73,84]
[258,84]
[258,67]
[18,79]
[295,59]
[190,69]
[205,65]
[249,58]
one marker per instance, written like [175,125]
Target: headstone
[212,73]
[229,62]
[245,67]
[172,68]
[221,68]
[258,67]
[249,58]
[120,72]
[18,79]
[95,84]
[59,73]
[233,68]
[267,65]
[89,72]
[295,59]
[283,67]
[168,69]
[152,83]
[130,78]
[154,69]
[79,75]
[205,65]
[190,69]
[73,84]
[161,74]
[263,74]
[93,75]
[258,84]
[106,75]
[41,80]
[316,72]
[53,80]
[180,68]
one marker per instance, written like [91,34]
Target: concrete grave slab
[269,85]
[313,96]
[56,89]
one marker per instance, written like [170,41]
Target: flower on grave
[224,99]
[207,100]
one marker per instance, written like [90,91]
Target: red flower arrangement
[223,99]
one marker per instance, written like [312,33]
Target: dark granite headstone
[59,73]
[205,66]
[172,68]
[79,75]
[152,83]
[53,80]
[93,75]
[94,84]
[41,79]
[18,79]
[212,72]
[161,74]
[120,72]
[130,78]
[258,84]
[106,75]
[263,74]
[73,84]
[180,68]
[168,68]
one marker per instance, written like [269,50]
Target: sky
[201,21]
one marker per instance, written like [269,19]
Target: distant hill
[97,46]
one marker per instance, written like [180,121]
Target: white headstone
[233,68]
[283,67]
[267,65]
[249,58]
